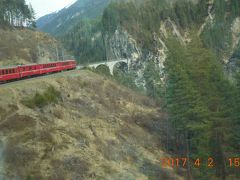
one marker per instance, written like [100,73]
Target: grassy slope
[22,46]
[96,130]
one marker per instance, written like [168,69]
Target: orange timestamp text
[184,162]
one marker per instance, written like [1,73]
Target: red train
[24,71]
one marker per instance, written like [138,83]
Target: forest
[201,101]
[16,13]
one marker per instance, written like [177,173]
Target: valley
[167,86]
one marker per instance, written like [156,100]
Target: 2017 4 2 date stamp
[184,162]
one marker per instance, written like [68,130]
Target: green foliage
[16,13]
[125,78]
[86,41]
[142,20]
[40,100]
[62,22]
[236,115]
[218,36]
[200,102]
[153,80]
[111,18]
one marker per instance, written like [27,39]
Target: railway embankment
[79,125]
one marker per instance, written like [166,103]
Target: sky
[43,7]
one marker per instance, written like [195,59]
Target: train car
[67,65]
[32,70]
[25,71]
[9,73]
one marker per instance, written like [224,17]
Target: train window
[0,72]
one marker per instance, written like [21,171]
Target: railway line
[16,73]
[59,74]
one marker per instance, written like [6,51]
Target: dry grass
[25,46]
[17,123]
[19,156]
[98,130]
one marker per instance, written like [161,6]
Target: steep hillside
[88,127]
[24,46]
[61,22]
[184,54]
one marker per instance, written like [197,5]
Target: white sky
[43,7]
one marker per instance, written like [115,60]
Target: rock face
[233,61]
[95,130]
[122,45]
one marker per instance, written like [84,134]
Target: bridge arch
[111,64]
[120,66]
[103,69]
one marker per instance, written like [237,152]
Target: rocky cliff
[123,43]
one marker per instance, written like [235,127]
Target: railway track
[39,77]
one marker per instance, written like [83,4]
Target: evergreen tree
[153,80]
[15,13]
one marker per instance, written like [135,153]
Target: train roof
[24,65]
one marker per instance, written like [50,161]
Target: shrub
[40,100]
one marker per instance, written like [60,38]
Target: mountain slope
[95,130]
[61,22]
[24,46]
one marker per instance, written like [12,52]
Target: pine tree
[153,80]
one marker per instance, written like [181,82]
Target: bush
[40,100]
